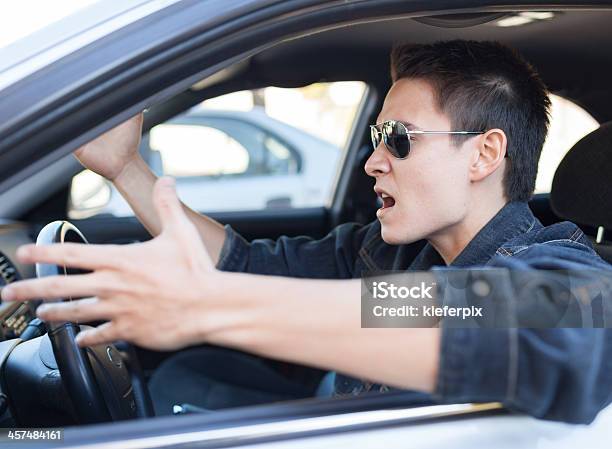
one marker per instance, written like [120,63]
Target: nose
[378,163]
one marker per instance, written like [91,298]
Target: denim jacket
[561,374]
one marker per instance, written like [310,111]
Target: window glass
[90,197]
[189,150]
[568,124]
[279,157]
[248,150]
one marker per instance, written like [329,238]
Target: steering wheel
[102,382]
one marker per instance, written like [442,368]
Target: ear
[489,154]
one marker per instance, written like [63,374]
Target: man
[457,144]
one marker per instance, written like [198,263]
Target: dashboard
[14,317]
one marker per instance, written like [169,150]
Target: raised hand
[111,152]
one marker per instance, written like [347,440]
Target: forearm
[135,183]
[318,323]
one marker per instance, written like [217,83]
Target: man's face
[428,190]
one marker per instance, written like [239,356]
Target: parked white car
[230,160]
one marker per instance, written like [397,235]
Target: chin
[393,237]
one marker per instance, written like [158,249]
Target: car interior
[568,47]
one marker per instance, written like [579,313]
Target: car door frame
[296,421]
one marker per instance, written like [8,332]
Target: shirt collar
[514,219]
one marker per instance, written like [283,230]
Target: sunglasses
[397,137]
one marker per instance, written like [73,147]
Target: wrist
[131,170]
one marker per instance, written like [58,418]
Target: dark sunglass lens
[375,136]
[396,139]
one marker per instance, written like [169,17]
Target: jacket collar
[512,220]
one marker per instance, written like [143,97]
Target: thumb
[167,205]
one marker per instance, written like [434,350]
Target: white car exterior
[308,184]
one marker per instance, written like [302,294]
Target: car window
[198,145]
[189,150]
[568,124]
[266,148]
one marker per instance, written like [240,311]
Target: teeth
[384,195]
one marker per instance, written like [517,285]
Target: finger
[79,151]
[56,287]
[77,255]
[104,333]
[82,310]
[134,120]
[168,206]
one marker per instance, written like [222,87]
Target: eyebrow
[409,125]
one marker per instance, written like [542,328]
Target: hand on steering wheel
[150,294]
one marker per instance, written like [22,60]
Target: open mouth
[387,200]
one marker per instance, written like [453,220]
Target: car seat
[582,187]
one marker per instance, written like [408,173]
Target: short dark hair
[485,85]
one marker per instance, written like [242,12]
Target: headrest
[582,186]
